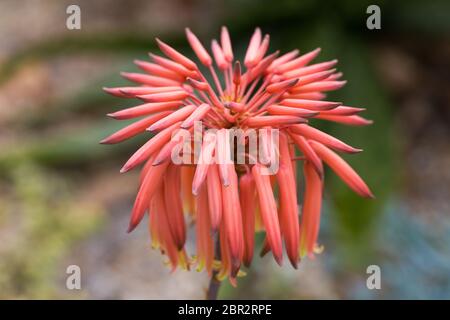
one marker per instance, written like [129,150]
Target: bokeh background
[63,201]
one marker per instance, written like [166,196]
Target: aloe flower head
[225,137]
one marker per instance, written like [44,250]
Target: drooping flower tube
[229,192]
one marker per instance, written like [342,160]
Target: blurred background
[63,201]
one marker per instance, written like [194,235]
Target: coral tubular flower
[227,198]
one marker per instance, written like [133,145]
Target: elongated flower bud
[248,206]
[232,217]
[174,206]
[149,80]
[269,213]
[288,202]
[134,129]
[214,196]
[198,48]
[148,187]
[205,160]
[219,56]
[145,109]
[298,62]
[205,245]
[311,210]
[179,115]
[149,148]
[175,55]
[252,50]
[226,44]
[196,115]
[322,137]
[342,169]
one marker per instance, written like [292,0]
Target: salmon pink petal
[322,137]
[342,111]
[214,196]
[174,207]
[309,69]
[205,245]
[252,50]
[248,206]
[235,106]
[145,109]
[223,155]
[176,56]
[269,213]
[342,169]
[219,56]
[133,92]
[226,44]
[232,217]
[261,68]
[354,120]
[281,86]
[309,227]
[176,116]
[153,226]
[150,147]
[288,202]
[199,85]
[282,60]
[308,151]
[289,111]
[335,76]
[316,105]
[198,48]
[196,115]
[168,243]
[174,66]
[158,70]
[225,267]
[117,92]
[205,160]
[133,129]
[310,78]
[151,182]
[298,62]
[319,86]
[262,50]
[276,121]
[187,175]
[149,80]
[165,96]
[178,138]
[306,96]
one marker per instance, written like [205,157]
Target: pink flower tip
[104,141]
[124,169]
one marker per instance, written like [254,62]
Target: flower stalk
[214,284]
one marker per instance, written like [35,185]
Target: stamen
[216,80]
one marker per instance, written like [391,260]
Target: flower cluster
[228,200]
